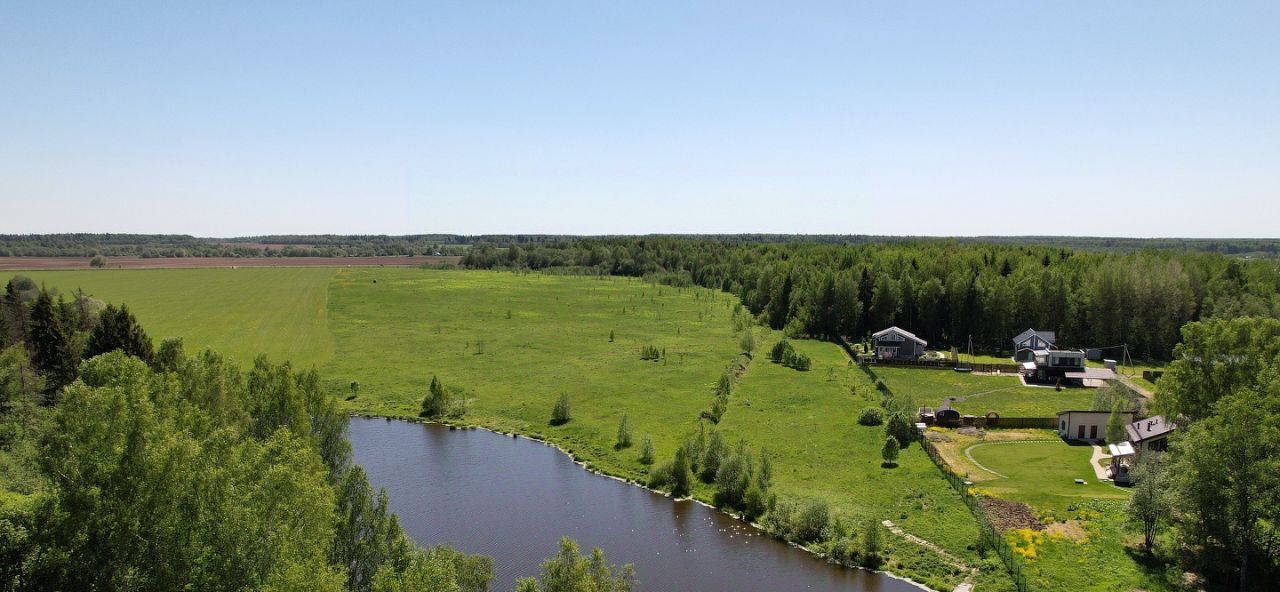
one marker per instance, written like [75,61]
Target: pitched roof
[1146,429]
[1048,336]
[903,332]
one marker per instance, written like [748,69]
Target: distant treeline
[943,291]
[359,245]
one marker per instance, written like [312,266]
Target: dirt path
[952,559]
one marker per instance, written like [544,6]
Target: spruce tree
[118,330]
[50,344]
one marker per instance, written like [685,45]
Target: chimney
[1150,424]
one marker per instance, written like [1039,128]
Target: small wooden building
[898,344]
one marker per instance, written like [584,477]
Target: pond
[513,498]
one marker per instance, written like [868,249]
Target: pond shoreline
[589,468]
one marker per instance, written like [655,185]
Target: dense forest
[125,466]
[357,245]
[943,291]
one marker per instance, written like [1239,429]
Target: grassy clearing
[240,312]
[978,394]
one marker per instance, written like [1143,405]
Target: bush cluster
[742,482]
[650,352]
[871,416]
[783,353]
[440,403]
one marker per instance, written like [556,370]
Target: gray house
[1029,343]
[898,344]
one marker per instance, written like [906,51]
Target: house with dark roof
[898,344]
[1030,342]
[1151,434]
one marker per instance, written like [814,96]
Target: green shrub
[871,416]
[805,522]
[890,451]
[779,351]
[900,428]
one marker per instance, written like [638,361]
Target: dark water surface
[512,499]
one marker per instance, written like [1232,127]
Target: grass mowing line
[984,467]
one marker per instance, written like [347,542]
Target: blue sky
[937,118]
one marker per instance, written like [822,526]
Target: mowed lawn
[239,312]
[1042,474]
[979,394]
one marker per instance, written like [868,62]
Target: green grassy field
[1042,474]
[240,312]
[978,394]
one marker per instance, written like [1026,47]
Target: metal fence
[988,530]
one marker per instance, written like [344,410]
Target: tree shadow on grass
[1157,568]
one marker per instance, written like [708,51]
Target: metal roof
[1121,449]
[1151,427]
[1045,335]
[903,332]
[1093,374]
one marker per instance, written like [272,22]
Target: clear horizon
[1148,119]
